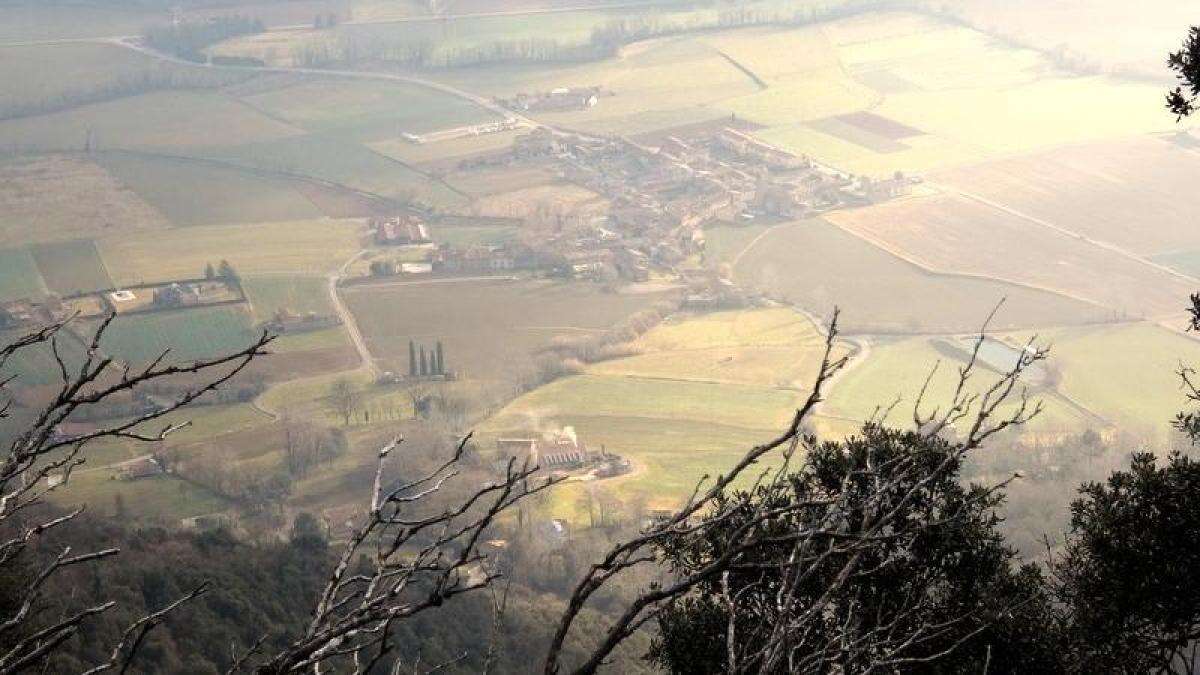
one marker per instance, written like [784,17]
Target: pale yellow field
[1128,374]
[650,85]
[975,98]
[772,348]
[774,55]
[314,246]
[808,98]
[283,49]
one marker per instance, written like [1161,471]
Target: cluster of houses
[401,230]
[182,294]
[561,452]
[555,100]
[663,195]
[660,196]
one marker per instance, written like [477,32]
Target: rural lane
[348,320]
[488,104]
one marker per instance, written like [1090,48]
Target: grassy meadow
[277,174]
[304,247]
[190,334]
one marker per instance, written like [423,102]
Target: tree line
[188,39]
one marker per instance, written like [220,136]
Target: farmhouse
[564,98]
[540,142]
[287,321]
[145,467]
[404,230]
[561,451]
[479,259]
[746,146]
[178,295]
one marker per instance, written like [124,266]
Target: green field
[68,69]
[305,247]
[744,406]
[896,369]
[19,276]
[33,20]
[162,498]
[72,267]
[365,110]
[724,243]
[471,235]
[770,348]
[189,334]
[179,121]
[1103,366]
[36,365]
[204,193]
[298,294]
[336,160]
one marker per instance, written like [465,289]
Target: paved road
[135,44]
[356,337]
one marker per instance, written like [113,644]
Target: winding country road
[135,44]
[348,320]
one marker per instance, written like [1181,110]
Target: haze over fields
[608,235]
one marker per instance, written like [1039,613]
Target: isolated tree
[439,359]
[227,272]
[412,359]
[1186,63]
[345,399]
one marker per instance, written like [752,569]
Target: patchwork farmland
[1079,222]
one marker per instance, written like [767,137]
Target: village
[660,197]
